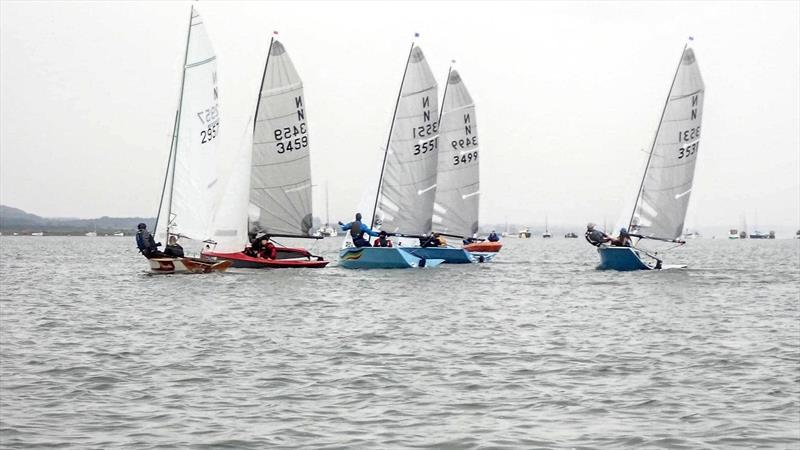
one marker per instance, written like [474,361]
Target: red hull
[484,247]
[286,259]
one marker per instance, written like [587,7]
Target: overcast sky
[568,96]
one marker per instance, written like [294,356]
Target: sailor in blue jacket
[357,230]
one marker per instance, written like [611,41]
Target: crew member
[382,240]
[357,230]
[493,237]
[173,249]
[147,245]
[595,236]
[624,239]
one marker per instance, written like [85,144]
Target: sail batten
[660,209]
[458,191]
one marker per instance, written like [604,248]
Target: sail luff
[389,138]
[655,137]
[167,170]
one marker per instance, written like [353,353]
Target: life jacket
[355,229]
[378,243]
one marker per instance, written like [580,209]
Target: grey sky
[567,97]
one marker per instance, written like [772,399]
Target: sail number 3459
[284,136]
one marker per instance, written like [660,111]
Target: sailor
[471,240]
[173,249]
[493,237]
[147,245]
[428,241]
[357,230]
[624,239]
[268,249]
[382,240]
[595,236]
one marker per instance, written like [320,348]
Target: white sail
[458,185]
[406,192]
[280,185]
[188,201]
[230,219]
[661,207]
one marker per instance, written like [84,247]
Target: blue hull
[381,258]
[620,258]
[450,255]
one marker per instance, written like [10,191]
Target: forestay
[406,192]
[660,210]
[280,184]
[457,193]
[188,200]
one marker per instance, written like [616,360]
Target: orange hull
[484,247]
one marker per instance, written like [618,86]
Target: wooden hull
[484,247]
[186,265]
[287,258]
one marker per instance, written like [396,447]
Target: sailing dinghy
[455,209]
[406,187]
[269,189]
[663,197]
[190,183]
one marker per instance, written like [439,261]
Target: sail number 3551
[291,138]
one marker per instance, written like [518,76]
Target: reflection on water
[536,349]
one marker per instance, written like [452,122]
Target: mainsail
[660,209]
[188,198]
[280,182]
[406,192]
[457,193]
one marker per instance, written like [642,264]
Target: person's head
[382,234]
[264,241]
[142,226]
[358,217]
[590,226]
[623,231]
[173,240]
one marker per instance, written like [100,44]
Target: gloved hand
[158,244]
[340,223]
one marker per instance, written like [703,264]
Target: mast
[178,119]
[263,77]
[653,146]
[327,208]
[166,173]
[389,140]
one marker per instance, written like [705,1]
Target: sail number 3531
[291,138]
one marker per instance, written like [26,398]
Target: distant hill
[14,220]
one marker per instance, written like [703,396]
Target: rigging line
[389,140]
[652,147]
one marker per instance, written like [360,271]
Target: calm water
[536,349]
